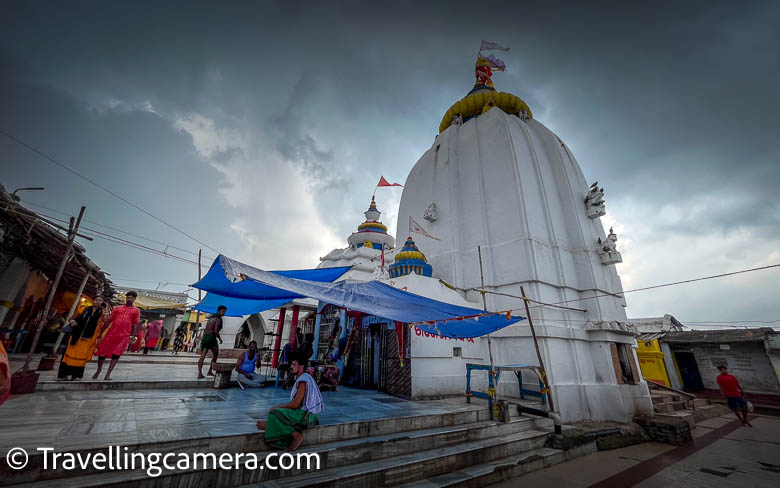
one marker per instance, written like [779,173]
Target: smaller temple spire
[372,214]
[410,260]
[372,233]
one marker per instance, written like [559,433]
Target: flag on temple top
[492,46]
[384,182]
[418,229]
[493,62]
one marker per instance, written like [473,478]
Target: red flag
[399,333]
[384,182]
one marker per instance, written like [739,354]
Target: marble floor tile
[112,427]
[96,440]
[144,412]
[162,434]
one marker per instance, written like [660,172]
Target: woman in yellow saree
[83,341]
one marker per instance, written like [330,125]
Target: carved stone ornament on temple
[430,213]
[608,249]
[594,202]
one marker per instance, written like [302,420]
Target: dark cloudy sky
[261,127]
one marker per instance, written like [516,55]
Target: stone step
[667,407]
[324,434]
[416,466]
[709,411]
[503,469]
[332,456]
[89,385]
[665,398]
[700,402]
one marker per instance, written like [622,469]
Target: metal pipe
[556,418]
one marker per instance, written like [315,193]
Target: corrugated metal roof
[649,336]
[730,335]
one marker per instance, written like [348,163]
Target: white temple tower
[496,178]
[365,250]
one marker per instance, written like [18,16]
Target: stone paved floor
[133,371]
[744,457]
[84,419]
[132,367]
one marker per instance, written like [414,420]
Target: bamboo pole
[484,306]
[492,401]
[200,297]
[538,352]
[72,310]
[72,230]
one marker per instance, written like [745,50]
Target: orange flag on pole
[384,182]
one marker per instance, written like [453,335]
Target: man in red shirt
[733,392]
[119,324]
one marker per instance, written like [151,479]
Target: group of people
[93,333]
[147,336]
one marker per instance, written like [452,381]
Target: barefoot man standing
[209,341]
[285,424]
[733,392]
[119,324]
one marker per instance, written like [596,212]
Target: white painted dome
[514,188]
[500,180]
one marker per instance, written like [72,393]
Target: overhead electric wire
[116,239]
[141,247]
[119,230]
[697,327]
[520,298]
[665,285]
[705,322]
[683,322]
[98,185]
[150,281]
[509,311]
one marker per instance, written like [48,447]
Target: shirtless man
[209,341]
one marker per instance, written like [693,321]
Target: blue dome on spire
[410,260]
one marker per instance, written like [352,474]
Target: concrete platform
[90,419]
[134,371]
[363,434]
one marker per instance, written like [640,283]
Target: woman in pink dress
[152,335]
[140,332]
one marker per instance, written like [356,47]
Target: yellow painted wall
[651,361]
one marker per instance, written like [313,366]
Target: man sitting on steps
[283,429]
[245,367]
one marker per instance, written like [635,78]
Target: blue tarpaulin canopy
[230,278]
[249,297]
[238,307]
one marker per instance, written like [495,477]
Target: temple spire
[372,232]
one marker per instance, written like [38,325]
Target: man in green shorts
[209,341]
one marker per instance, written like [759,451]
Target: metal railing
[688,397]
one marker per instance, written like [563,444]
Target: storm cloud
[262,127]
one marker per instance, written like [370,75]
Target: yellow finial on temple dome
[484,96]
